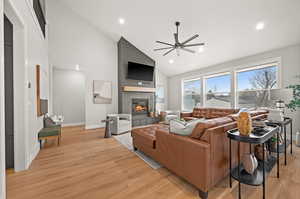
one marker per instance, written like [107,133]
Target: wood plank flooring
[86,166]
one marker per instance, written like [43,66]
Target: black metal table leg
[239,153]
[284,127]
[291,136]
[264,183]
[278,154]
[230,167]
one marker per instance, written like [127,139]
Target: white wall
[73,41]
[290,65]
[69,96]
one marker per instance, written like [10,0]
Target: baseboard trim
[94,126]
[73,124]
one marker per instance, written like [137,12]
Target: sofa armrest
[186,114]
[185,156]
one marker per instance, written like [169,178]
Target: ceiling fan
[179,45]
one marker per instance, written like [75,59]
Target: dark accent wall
[127,52]
[9,92]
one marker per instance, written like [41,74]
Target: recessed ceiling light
[77,67]
[171,61]
[201,49]
[121,21]
[260,26]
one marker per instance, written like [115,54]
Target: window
[160,98]
[191,93]
[254,86]
[218,91]
[38,9]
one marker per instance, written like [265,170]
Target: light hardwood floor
[86,166]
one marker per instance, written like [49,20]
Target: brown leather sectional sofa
[201,158]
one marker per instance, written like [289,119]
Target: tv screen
[140,72]
[44,106]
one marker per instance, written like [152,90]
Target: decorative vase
[249,162]
[244,123]
[258,150]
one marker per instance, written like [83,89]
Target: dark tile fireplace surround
[128,101]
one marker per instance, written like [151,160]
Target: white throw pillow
[183,128]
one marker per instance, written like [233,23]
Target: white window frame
[233,71]
[211,76]
[182,90]
[276,61]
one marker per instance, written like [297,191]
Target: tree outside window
[255,87]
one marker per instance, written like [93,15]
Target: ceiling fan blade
[188,50]
[190,39]
[164,43]
[176,38]
[190,45]
[163,48]
[168,51]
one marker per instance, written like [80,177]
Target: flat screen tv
[141,72]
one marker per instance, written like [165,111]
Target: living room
[149,99]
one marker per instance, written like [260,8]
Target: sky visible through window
[193,86]
[244,78]
[220,83]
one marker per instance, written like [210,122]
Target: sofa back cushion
[210,113]
[201,127]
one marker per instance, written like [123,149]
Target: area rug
[126,140]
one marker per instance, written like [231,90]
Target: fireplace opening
[139,106]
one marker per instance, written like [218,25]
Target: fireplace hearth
[140,106]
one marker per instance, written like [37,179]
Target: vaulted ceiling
[227,27]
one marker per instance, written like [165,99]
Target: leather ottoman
[144,138]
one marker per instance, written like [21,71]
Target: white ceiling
[227,27]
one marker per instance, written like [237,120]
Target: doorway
[9,93]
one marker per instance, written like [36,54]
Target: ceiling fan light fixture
[171,61]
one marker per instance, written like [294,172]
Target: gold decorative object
[244,123]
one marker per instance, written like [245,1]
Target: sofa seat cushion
[47,132]
[201,127]
[147,134]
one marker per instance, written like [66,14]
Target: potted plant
[294,104]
